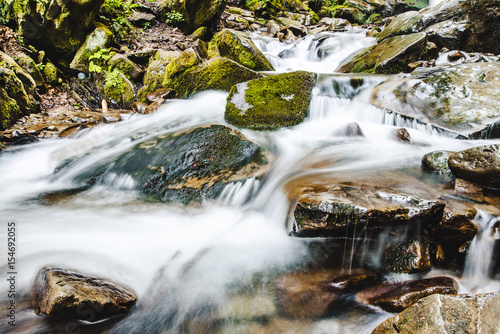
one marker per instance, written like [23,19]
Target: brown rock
[408,257]
[395,297]
[64,294]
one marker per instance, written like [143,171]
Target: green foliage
[173,18]
[331,7]
[115,13]
[99,61]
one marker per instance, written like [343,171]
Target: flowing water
[187,263]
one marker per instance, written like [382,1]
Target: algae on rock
[271,102]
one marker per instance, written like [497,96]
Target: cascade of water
[479,260]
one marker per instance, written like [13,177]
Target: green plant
[40,66]
[99,61]
[173,18]
[115,13]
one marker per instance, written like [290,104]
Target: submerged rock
[240,48]
[190,166]
[479,165]
[271,102]
[395,297]
[65,294]
[443,314]
[309,295]
[389,56]
[461,98]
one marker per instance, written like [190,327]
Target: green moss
[50,72]
[271,102]
[119,88]
[234,45]
[217,74]
[178,66]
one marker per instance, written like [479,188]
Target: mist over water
[185,262]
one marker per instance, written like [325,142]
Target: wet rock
[484,22]
[350,130]
[443,314]
[294,26]
[272,27]
[395,297]
[459,98]
[196,13]
[479,165]
[309,295]
[99,39]
[238,47]
[389,56]
[271,102]
[403,135]
[335,24]
[408,257]
[437,162]
[457,226]
[215,74]
[248,307]
[331,208]
[186,167]
[65,294]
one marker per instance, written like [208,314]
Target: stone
[125,65]
[187,167]
[195,13]
[408,257]
[395,297]
[484,23]
[58,27]
[444,314]
[29,65]
[155,73]
[479,165]
[459,99]
[215,74]
[335,207]
[402,135]
[309,295]
[100,38]
[271,102]
[119,88]
[200,33]
[389,56]
[437,162]
[50,72]
[240,48]
[139,18]
[64,294]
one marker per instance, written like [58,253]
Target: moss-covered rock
[155,73]
[389,56]
[189,58]
[461,98]
[408,257]
[216,74]
[437,162]
[195,13]
[18,96]
[271,102]
[100,38]
[190,166]
[50,72]
[59,27]
[119,88]
[125,65]
[238,47]
[200,33]
[29,65]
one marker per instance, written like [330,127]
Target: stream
[187,264]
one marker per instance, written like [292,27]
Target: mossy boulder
[50,72]
[59,27]
[195,13]
[190,166]
[410,256]
[240,48]
[155,73]
[462,98]
[389,56]
[29,65]
[125,65]
[189,58]
[215,74]
[271,102]
[119,88]
[437,162]
[18,96]
[100,38]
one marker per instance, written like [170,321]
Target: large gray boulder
[462,98]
